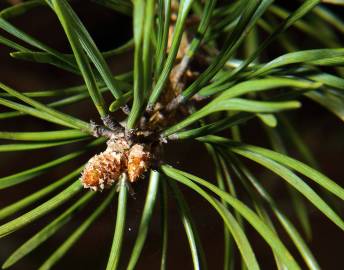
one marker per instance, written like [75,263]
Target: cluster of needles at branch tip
[220,75]
[132,152]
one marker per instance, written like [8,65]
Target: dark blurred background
[322,132]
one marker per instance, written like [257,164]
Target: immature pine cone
[138,162]
[102,170]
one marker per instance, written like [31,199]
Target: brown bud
[102,170]
[138,161]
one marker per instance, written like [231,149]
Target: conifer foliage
[201,71]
